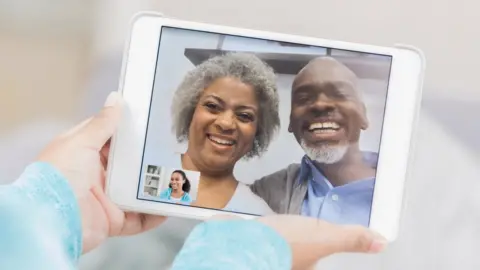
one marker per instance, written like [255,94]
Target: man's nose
[226,122]
[322,104]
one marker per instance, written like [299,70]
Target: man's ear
[364,118]
[290,127]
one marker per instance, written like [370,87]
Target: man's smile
[326,130]
[324,127]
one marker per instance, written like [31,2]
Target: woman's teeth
[220,141]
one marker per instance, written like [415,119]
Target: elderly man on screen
[335,179]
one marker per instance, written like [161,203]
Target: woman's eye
[246,117]
[211,106]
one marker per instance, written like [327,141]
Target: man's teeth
[325,126]
[221,141]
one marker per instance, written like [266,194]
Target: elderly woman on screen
[226,109]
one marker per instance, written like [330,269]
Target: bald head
[322,70]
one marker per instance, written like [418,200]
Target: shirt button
[335,197]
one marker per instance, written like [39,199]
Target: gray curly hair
[250,70]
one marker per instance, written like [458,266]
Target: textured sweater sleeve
[234,245]
[40,226]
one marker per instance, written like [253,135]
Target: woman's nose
[226,122]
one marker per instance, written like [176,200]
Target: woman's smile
[221,140]
[221,144]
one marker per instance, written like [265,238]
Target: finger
[330,238]
[122,223]
[115,215]
[338,239]
[102,126]
[104,153]
[137,223]
[352,239]
[312,239]
[151,222]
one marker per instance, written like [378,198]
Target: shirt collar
[308,170]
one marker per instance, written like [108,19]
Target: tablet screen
[257,126]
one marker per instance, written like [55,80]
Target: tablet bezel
[136,86]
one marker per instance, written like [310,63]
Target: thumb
[102,126]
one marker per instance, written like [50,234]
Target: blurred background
[60,59]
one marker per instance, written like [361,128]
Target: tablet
[223,120]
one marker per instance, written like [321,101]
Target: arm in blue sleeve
[40,222]
[234,244]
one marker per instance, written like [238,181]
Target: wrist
[48,189]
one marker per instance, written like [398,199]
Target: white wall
[284,150]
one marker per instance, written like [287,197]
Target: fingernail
[112,99]
[379,243]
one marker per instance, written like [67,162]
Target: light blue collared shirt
[346,204]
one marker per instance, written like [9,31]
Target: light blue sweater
[40,228]
[167,194]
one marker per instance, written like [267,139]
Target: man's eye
[338,95]
[302,99]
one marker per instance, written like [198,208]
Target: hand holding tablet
[250,123]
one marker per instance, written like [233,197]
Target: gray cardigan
[281,190]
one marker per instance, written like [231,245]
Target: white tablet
[223,120]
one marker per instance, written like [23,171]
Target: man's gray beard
[325,154]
